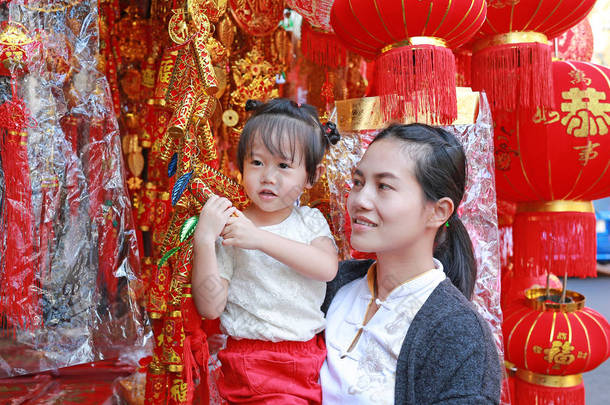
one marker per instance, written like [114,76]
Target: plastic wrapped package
[71,300]
[359,122]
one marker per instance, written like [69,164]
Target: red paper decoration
[551,344]
[553,162]
[257,17]
[512,59]
[315,12]
[410,41]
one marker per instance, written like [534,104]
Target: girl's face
[386,204]
[272,182]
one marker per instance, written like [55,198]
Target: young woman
[401,329]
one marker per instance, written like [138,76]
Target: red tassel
[527,394]
[514,75]
[418,82]
[559,242]
[322,48]
[463,67]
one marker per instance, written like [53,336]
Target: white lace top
[267,300]
[367,373]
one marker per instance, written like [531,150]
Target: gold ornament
[230,118]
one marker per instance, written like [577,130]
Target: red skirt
[282,373]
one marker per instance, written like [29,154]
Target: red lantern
[410,41]
[512,59]
[551,344]
[553,163]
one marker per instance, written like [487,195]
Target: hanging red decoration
[315,12]
[410,41]
[551,344]
[553,163]
[322,48]
[257,17]
[512,58]
[576,43]
[19,304]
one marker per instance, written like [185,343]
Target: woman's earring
[447,224]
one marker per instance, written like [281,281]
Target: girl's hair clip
[252,105]
[331,133]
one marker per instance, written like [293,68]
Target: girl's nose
[269,175]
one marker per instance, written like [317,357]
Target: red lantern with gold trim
[512,58]
[551,344]
[553,163]
[411,42]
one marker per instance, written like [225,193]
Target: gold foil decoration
[365,113]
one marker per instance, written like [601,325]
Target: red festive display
[552,162]
[315,12]
[512,59]
[411,42]
[551,344]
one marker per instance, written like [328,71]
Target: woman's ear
[441,212]
[319,172]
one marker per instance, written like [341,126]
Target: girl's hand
[214,215]
[241,232]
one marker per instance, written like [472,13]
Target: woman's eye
[256,162]
[356,183]
[284,165]
[383,186]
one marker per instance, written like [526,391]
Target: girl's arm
[209,289]
[317,260]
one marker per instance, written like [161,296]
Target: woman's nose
[361,198]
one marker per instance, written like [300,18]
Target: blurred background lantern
[551,344]
[410,41]
[315,12]
[512,57]
[553,163]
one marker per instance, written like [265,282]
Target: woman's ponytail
[454,249]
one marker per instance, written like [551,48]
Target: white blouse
[366,374]
[268,300]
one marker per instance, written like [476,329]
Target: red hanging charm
[19,304]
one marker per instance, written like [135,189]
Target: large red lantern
[553,163]
[512,59]
[551,344]
[411,42]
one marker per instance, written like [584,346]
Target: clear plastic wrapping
[81,275]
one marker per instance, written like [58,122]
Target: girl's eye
[383,186]
[284,165]
[256,162]
[356,183]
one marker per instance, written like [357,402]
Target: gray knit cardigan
[448,355]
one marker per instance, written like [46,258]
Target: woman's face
[386,204]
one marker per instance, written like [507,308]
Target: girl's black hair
[282,125]
[440,170]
